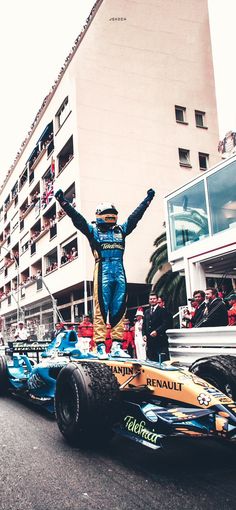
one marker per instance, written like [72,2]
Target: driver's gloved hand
[150,193]
[59,195]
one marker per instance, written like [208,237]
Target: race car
[140,400]
[36,381]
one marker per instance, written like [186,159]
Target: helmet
[106,213]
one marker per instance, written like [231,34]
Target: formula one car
[34,381]
[143,401]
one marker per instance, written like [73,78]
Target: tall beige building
[134,107]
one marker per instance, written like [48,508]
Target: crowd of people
[144,338]
[210,309]
[68,256]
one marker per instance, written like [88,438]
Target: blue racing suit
[107,243]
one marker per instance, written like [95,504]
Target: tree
[166,282]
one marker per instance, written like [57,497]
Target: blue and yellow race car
[141,400]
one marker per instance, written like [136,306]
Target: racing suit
[107,243]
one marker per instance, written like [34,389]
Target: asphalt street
[39,471]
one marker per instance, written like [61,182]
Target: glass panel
[188,216]
[199,119]
[222,198]
[179,114]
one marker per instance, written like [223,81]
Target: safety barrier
[188,345]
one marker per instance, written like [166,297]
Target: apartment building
[133,107]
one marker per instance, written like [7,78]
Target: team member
[140,344]
[107,241]
[232,311]
[155,324]
[85,331]
[21,333]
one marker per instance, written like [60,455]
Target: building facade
[201,227]
[133,107]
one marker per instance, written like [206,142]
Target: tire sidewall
[72,387]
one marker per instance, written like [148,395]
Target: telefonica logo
[139,428]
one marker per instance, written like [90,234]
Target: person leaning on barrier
[215,312]
[199,300]
[21,334]
[232,310]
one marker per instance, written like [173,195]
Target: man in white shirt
[21,333]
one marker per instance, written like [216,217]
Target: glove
[59,196]
[150,194]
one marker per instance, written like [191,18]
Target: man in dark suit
[199,298]
[155,324]
[215,312]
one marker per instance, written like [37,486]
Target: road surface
[39,471]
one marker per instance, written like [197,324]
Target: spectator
[128,339]
[21,333]
[232,311]
[140,344]
[193,318]
[73,253]
[85,333]
[162,303]
[64,257]
[199,300]
[215,312]
[108,341]
[155,323]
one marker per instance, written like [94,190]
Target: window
[184,157]
[66,154]
[200,118]
[62,113]
[221,187]
[188,217]
[180,114]
[203,161]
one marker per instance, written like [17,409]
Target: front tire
[4,383]
[86,402]
[220,371]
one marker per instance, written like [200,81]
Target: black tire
[4,383]
[87,403]
[220,371]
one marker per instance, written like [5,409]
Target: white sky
[35,39]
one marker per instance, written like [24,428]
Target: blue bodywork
[36,382]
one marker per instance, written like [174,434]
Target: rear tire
[220,371]
[4,383]
[86,403]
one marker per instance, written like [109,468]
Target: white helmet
[105,207]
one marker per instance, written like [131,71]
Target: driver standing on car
[107,242]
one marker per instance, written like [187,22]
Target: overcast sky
[36,37]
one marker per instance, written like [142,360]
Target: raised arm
[138,213]
[78,220]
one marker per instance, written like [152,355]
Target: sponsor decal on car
[35,381]
[167,385]
[139,428]
[122,370]
[203,399]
